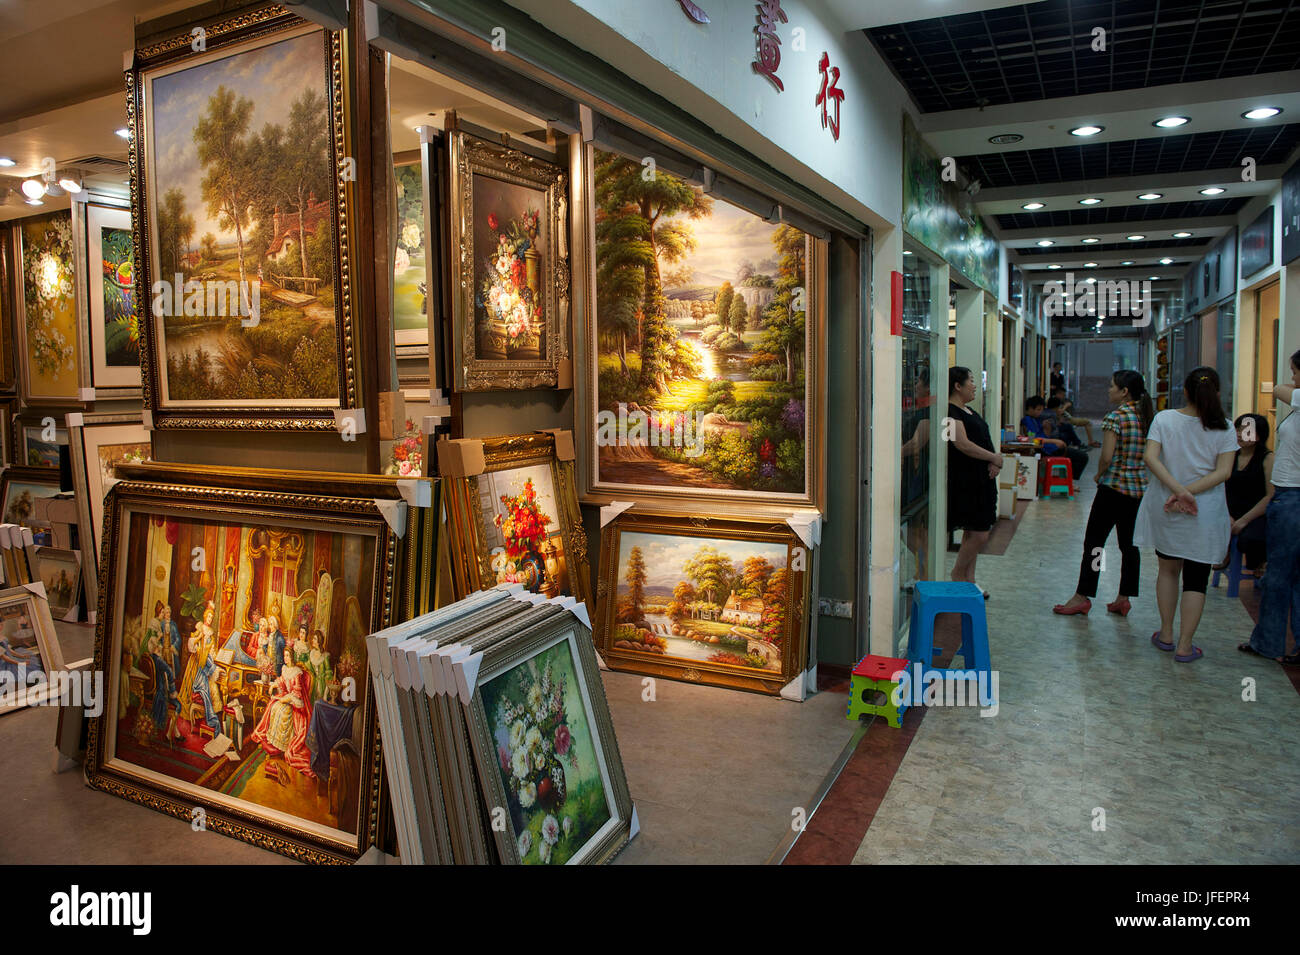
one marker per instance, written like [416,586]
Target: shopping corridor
[1091,718]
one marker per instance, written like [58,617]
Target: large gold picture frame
[559,567]
[495,190]
[716,632]
[286,527]
[247,34]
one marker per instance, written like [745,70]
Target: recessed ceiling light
[1044,243]
[1086,130]
[1127,262]
[1213,191]
[1261,112]
[123,132]
[1032,206]
[1182,235]
[1154,278]
[33,188]
[1166,261]
[1136,238]
[1090,201]
[1090,279]
[1005,139]
[1053,266]
[1148,196]
[1169,122]
[907,251]
[6,161]
[35,202]
[1091,240]
[1089,265]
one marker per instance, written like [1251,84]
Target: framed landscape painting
[114,311]
[545,748]
[518,521]
[60,572]
[49,358]
[238,683]
[714,341]
[510,280]
[20,488]
[237,161]
[29,644]
[38,441]
[715,601]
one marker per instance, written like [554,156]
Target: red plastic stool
[1052,481]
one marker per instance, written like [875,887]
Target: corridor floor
[1103,750]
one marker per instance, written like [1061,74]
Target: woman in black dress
[1250,489]
[973,466]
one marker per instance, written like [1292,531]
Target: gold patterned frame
[8,353]
[22,357]
[586,382]
[471,562]
[344,501]
[795,636]
[470,156]
[263,24]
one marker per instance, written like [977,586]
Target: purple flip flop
[1155,639]
[1196,654]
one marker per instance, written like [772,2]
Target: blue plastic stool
[1235,561]
[933,597]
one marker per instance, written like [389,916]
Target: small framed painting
[517,521]
[510,280]
[20,488]
[29,649]
[49,358]
[411,264]
[60,572]
[544,745]
[707,600]
[114,311]
[38,440]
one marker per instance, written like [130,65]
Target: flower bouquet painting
[546,756]
[523,526]
[48,330]
[406,457]
[511,287]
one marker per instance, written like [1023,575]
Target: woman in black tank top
[1249,488]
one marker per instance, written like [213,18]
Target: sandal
[1291,660]
[1247,648]
[1155,639]
[1196,654]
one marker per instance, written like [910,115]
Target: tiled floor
[1096,724]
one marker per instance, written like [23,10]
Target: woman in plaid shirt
[1121,482]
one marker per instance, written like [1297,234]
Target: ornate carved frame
[263,24]
[793,660]
[247,494]
[471,562]
[470,156]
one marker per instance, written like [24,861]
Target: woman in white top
[1184,514]
[1281,591]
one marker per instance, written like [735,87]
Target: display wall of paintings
[113,310]
[706,356]
[239,682]
[518,521]
[510,280]
[20,487]
[37,440]
[28,645]
[236,162]
[48,355]
[722,602]
[410,265]
[60,572]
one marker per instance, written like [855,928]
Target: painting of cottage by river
[701,316]
[241,185]
[700,599]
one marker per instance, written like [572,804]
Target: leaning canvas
[29,649]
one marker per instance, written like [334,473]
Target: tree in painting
[701,312]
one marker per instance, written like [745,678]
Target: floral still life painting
[546,756]
[511,289]
[517,511]
[410,282]
[49,303]
[405,456]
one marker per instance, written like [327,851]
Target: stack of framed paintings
[29,649]
[512,514]
[234,607]
[510,754]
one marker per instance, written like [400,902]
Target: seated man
[1031,425]
[1067,415]
[1060,426]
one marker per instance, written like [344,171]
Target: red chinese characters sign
[830,95]
[767,59]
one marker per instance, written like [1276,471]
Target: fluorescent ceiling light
[1213,191]
[1261,112]
[1086,130]
[1090,201]
[1170,122]
[1032,206]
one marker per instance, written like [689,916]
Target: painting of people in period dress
[246,678]
[241,191]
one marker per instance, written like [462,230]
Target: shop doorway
[1268,320]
